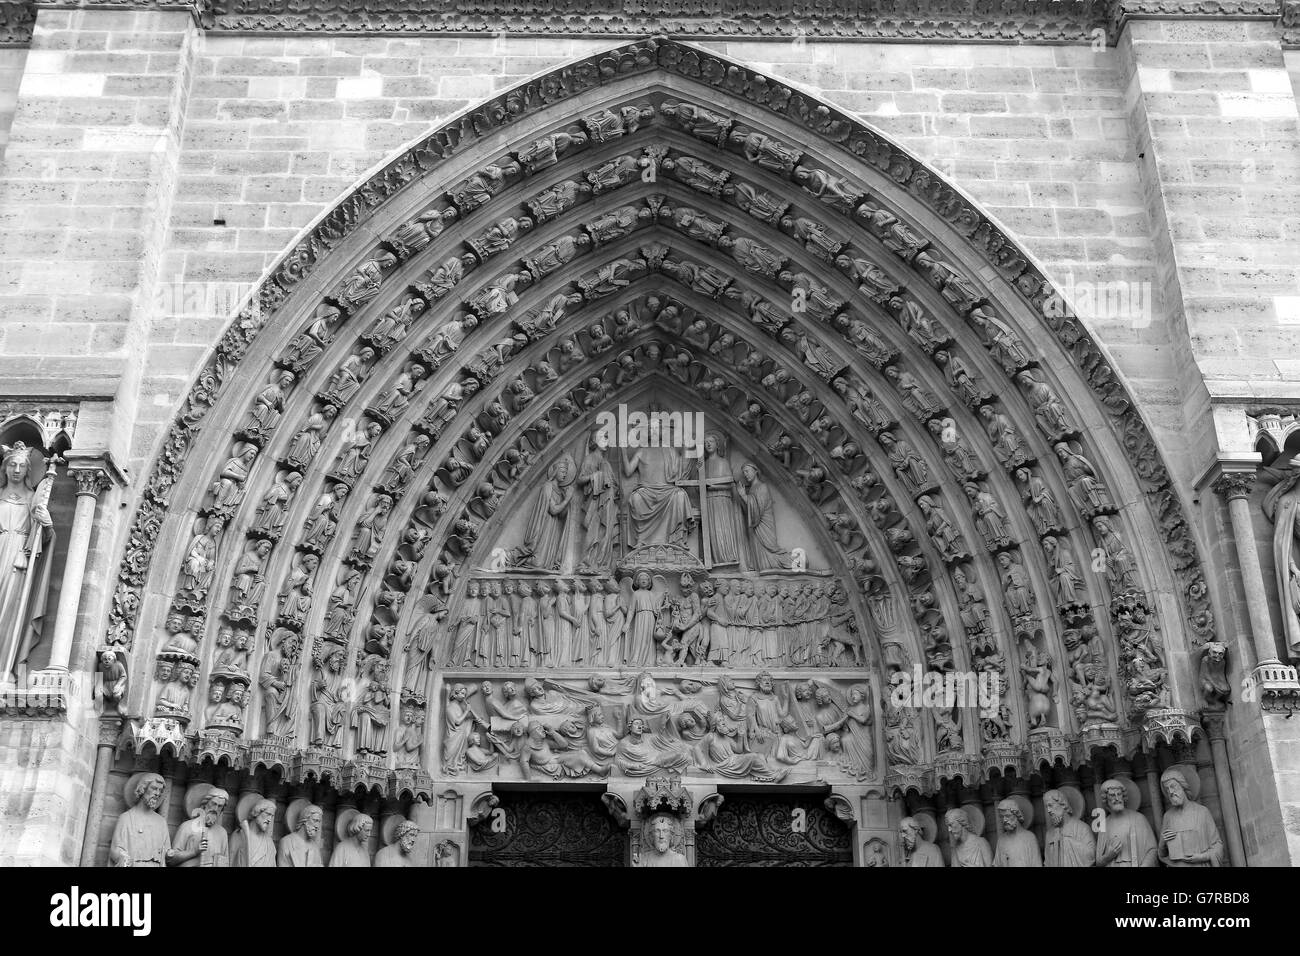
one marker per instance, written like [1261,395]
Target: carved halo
[133,781]
[194,797]
[1074,798]
[1191,776]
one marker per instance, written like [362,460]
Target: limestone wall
[153,172]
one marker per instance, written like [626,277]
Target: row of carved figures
[380,334]
[141,837]
[598,622]
[641,726]
[1118,836]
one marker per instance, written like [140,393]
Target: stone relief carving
[555,623]
[567,727]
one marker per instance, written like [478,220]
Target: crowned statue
[26,547]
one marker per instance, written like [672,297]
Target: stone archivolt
[692,233]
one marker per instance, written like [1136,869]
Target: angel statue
[26,547]
[643,598]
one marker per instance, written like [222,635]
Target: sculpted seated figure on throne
[659,509]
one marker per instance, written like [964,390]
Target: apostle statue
[353,830]
[968,847]
[1017,846]
[659,850]
[917,850]
[26,547]
[1128,839]
[140,837]
[760,521]
[399,852]
[252,844]
[301,846]
[1188,835]
[1069,841]
[200,840]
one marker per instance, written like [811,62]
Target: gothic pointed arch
[386,486]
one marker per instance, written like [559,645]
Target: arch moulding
[919,467]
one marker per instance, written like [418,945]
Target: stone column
[1152,793]
[110,728]
[1235,486]
[1214,729]
[90,482]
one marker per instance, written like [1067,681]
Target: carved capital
[110,730]
[1214,723]
[1234,484]
[90,481]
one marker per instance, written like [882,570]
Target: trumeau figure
[917,850]
[201,840]
[1017,845]
[1188,836]
[1127,839]
[658,837]
[140,836]
[300,847]
[1069,841]
[252,844]
[968,847]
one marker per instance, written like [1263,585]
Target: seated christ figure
[660,511]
